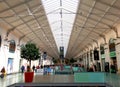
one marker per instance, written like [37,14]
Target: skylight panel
[61,15]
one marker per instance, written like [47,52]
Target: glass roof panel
[61,16]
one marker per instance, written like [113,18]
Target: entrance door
[10,65]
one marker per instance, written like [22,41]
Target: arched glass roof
[60,19]
[74,24]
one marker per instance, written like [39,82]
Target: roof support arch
[8,32]
[104,38]
[115,30]
[20,40]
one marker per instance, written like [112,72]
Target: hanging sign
[61,52]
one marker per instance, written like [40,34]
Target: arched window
[112,44]
[102,49]
[12,46]
[96,54]
[113,59]
[0,40]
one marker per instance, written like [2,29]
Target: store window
[12,46]
[113,60]
[10,65]
[102,51]
[112,44]
[96,54]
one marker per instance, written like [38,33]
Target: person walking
[22,68]
[33,68]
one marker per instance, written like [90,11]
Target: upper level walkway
[111,79]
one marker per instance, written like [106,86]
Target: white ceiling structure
[61,18]
[50,24]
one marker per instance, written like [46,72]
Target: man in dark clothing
[33,68]
[22,68]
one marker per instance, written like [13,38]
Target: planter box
[28,76]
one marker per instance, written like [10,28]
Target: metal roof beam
[15,6]
[115,30]
[8,32]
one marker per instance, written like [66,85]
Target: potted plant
[29,51]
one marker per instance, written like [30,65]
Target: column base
[118,72]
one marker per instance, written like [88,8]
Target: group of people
[28,69]
[46,68]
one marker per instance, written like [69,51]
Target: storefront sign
[102,56]
[113,54]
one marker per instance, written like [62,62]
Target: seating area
[60,69]
[67,69]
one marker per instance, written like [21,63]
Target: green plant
[29,51]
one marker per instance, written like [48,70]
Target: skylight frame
[53,9]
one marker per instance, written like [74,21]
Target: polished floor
[112,79]
[11,79]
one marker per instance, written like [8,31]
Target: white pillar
[93,61]
[89,58]
[107,53]
[84,59]
[78,60]
[107,56]
[99,61]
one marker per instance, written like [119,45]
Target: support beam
[115,30]
[96,42]
[104,38]
[14,6]
[8,32]
[91,46]
[20,39]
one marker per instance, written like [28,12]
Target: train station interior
[72,36]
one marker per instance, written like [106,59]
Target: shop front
[112,53]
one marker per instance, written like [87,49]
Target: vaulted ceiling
[29,19]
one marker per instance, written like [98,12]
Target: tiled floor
[113,79]
[11,79]
[53,78]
